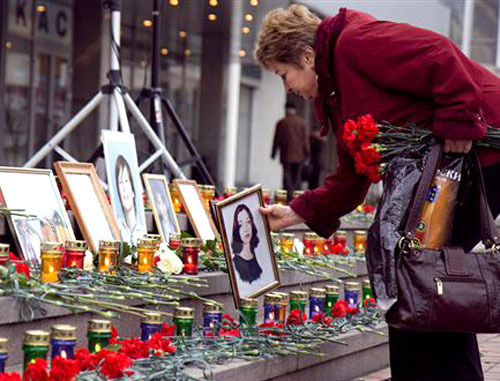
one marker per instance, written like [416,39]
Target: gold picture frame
[86,196]
[165,198]
[243,272]
[200,220]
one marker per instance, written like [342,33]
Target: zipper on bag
[439,286]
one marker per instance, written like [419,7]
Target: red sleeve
[321,208]
[409,59]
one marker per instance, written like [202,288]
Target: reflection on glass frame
[88,202]
[125,185]
[247,242]
[35,192]
[201,221]
[161,202]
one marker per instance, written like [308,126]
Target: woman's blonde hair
[285,34]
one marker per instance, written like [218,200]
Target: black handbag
[447,289]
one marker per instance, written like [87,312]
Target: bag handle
[489,233]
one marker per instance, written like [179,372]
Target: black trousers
[445,356]
[292,177]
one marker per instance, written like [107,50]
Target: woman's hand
[280,216]
[457,146]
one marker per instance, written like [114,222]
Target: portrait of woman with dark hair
[244,242]
[126,196]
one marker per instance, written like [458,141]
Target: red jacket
[400,74]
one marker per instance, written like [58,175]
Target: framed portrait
[161,203]
[201,221]
[247,244]
[35,192]
[88,202]
[124,184]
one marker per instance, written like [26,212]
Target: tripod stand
[157,98]
[120,101]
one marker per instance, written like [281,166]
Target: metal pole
[467,29]
[114,61]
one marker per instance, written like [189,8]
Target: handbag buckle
[407,245]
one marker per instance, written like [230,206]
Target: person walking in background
[317,160]
[291,138]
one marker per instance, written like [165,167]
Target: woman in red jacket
[352,64]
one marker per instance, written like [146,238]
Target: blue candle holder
[150,324]
[351,294]
[316,302]
[63,341]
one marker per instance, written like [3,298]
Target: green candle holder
[98,335]
[35,345]
[183,320]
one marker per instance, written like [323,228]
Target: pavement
[489,346]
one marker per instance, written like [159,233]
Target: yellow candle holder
[286,243]
[146,249]
[208,194]
[51,261]
[318,248]
[280,196]
[108,256]
[176,198]
[360,238]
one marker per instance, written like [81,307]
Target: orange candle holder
[286,243]
[146,249]
[176,198]
[207,193]
[320,244]
[360,238]
[4,253]
[309,241]
[75,254]
[280,197]
[51,261]
[108,256]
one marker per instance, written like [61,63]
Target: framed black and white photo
[247,244]
[35,192]
[124,184]
[161,203]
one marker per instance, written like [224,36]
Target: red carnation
[368,209]
[21,267]
[349,135]
[373,173]
[135,348]
[114,331]
[231,332]
[36,371]
[14,376]
[63,369]
[367,128]
[160,345]
[370,154]
[167,330]
[82,355]
[322,318]
[340,309]
[370,302]
[359,163]
[277,331]
[115,365]
[295,318]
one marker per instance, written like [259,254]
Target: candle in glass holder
[282,306]
[309,241]
[4,353]
[4,253]
[360,237]
[146,249]
[176,198]
[351,294]
[174,240]
[150,324]
[248,312]
[320,243]
[327,246]
[270,302]
[156,237]
[266,196]
[35,345]
[183,320]
[367,289]
[298,300]
[331,297]
[190,251]
[230,191]
[207,193]
[286,242]
[316,302]
[340,238]
[75,253]
[280,196]
[275,238]
[51,261]
[98,334]
[212,317]
[297,193]
[63,341]
[108,256]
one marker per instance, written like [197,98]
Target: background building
[55,55]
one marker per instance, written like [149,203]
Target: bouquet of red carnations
[373,144]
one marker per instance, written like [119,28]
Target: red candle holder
[75,254]
[266,196]
[174,240]
[327,246]
[309,241]
[340,238]
[230,191]
[4,253]
[190,251]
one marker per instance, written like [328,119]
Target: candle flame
[106,261]
[51,269]
[63,354]
[316,308]
[73,264]
[144,261]
[190,260]
[97,347]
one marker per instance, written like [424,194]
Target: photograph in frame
[124,184]
[88,202]
[248,247]
[161,203]
[35,192]
[201,221]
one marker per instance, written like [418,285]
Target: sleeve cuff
[459,124]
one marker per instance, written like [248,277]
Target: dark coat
[291,138]
[400,74]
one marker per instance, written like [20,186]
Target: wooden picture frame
[242,211]
[35,192]
[88,201]
[201,221]
[159,198]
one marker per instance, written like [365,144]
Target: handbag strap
[489,233]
